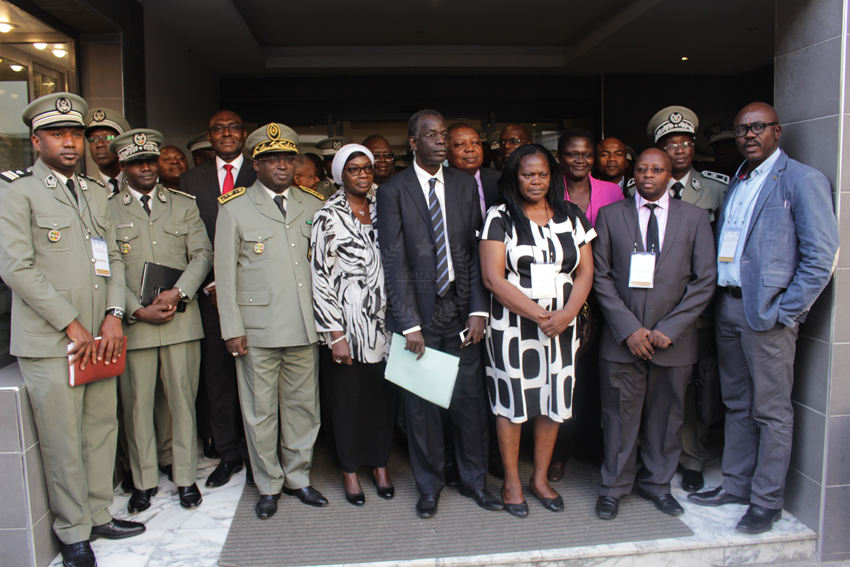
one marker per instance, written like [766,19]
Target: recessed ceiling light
[684,58]
[15,68]
[59,52]
[39,46]
[6,27]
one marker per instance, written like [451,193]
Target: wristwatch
[182,294]
[115,312]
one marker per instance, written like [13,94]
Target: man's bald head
[652,173]
[757,147]
[762,107]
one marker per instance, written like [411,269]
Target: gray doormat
[390,530]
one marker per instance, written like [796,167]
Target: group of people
[295,273]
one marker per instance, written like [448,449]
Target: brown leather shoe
[556,471]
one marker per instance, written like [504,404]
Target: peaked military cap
[330,146]
[272,138]
[672,120]
[140,143]
[493,140]
[631,154]
[720,131]
[199,142]
[55,110]
[106,118]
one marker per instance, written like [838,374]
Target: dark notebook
[156,279]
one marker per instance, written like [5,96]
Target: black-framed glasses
[673,147]
[655,170]
[384,157]
[220,128]
[575,155]
[433,135]
[354,170]
[275,161]
[756,128]
[512,141]
[96,139]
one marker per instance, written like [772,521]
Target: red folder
[99,371]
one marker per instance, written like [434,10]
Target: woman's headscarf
[342,156]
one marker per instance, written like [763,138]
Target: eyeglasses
[512,141]
[354,170]
[384,157]
[576,155]
[655,170]
[277,160]
[673,147]
[441,135]
[96,139]
[220,128]
[756,128]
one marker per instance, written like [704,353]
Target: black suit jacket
[685,279]
[407,241]
[490,184]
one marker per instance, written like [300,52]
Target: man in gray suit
[777,242]
[654,274]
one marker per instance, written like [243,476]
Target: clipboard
[432,378]
[155,280]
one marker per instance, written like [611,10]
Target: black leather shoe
[117,529]
[692,480]
[358,499]
[77,554]
[127,482]
[249,474]
[452,474]
[223,473]
[141,500]
[385,492]
[758,519]
[607,507]
[518,510]
[554,504]
[716,497]
[209,449]
[427,505]
[190,496]
[664,502]
[308,495]
[266,506]
[483,498]
[167,471]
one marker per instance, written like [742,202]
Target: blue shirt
[739,215]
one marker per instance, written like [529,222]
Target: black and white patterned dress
[530,374]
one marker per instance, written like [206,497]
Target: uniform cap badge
[53,236]
[140,139]
[337,144]
[63,105]
[99,115]
[676,117]
[259,247]
[273,131]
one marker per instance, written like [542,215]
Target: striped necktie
[436,213]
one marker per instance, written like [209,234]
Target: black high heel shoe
[385,492]
[358,499]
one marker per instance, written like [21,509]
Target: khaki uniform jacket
[706,190]
[53,279]
[262,267]
[174,236]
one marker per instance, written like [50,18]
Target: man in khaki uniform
[161,226]
[265,303]
[102,126]
[60,259]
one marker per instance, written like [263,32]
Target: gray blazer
[791,245]
[685,279]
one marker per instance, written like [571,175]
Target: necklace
[361,210]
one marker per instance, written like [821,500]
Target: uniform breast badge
[125,248]
[259,247]
[54,236]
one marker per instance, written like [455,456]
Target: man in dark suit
[428,221]
[777,242]
[654,274]
[207,182]
[466,154]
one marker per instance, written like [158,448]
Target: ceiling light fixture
[39,46]
[684,58]
[59,52]
[6,27]
[16,68]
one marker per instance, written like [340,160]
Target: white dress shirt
[222,172]
[660,216]
[138,196]
[272,194]
[105,178]
[684,181]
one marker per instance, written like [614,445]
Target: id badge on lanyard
[543,281]
[729,244]
[642,270]
[100,255]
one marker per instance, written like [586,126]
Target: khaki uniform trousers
[77,433]
[280,382]
[178,366]
[162,425]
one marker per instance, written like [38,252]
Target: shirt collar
[762,169]
[424,177]
[272,194]
[62,179]
[139,195]
[236,163]
[663,202]
[118,178]
[684,181]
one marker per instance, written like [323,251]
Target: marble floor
[176,537]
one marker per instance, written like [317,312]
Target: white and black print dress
[530,374]
[349,293]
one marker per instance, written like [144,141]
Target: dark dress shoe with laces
[692,480]
[209,449]
[483,498]
[554,504]
[556,471]
[223,473]
[117,529]
[127,482]
[607,507]
[427,505]
[518,510]
[758,519]
[716,497]
[190,496]
[167,471]
[308,495]
[385,492]
[266,506]
[664,502]
[77,554]
[141,500]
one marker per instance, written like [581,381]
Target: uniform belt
[734,291]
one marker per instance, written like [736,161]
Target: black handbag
[707,395]
[586,329]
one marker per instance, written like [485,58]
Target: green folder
[432,377]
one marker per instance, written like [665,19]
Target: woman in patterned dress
[350,303]
[537,262]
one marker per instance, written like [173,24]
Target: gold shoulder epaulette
[231,195]
[98,181]
[180,192]
[316,194]
[12,175]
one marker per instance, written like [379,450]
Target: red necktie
[227,186]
